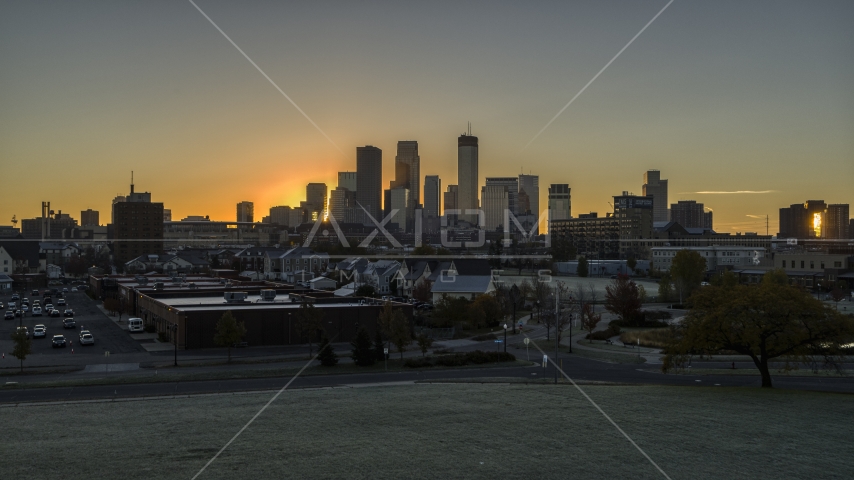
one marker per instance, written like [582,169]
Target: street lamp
[505,338]
[539,314]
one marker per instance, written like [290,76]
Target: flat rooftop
[282,301]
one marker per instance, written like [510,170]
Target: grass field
[439,431]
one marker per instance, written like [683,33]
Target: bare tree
[593,294]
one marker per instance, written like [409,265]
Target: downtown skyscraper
[467,177]
[655,186]
[369,183]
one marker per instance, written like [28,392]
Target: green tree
[623,299]
[395,326]
[484,311]
[309,322]
[326,353]
[665,288]
[631,262]
[366,291]
[23,345]
[449,311]
[424,343]
[764,322]
[423,250]
[228,332]
[363,352]
[582,267]
[687,270]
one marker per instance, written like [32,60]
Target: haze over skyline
[745,107]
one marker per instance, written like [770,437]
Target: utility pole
[557,313]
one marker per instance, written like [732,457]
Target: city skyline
[687,98]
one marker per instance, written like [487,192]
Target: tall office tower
[342,205]
[467,176]
[687,213]
[655,186]
[851,229]
[398,199]
[529,199]
[432,189]
[560,203]
[118,199]
[167,214]
[280,215]
[89,218]
[450,199]
[495,199]
[347,180]
[315,196]
[245,211]
[512,184]
[708,223]
[802,220]
[836,222]
[138,227]
[407,170]
[369,179]
[295,217]
[432,204]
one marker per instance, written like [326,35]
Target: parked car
[13,306]
[35,293]
[37,311]
[59,341]
[19,313]
[1,305]
[39,331]
[81,287]
[25,308]
[55,313]
[9,315]
[64,290]
[15,297]
[25,330]
[68,312]
[69,323]
[61,302]
[48,307]
[87,339]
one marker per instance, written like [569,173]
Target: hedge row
[459,359]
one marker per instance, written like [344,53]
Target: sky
[720,96]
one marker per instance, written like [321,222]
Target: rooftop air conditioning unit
[268,295]
[142,280]
[158,285]
[192,286]
[235,297]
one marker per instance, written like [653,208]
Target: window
[822,265]
[812,265]
[837,264]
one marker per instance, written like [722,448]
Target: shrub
[612,331]
[648,338]
[417,363]
[164,337]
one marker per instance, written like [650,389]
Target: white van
[135,325]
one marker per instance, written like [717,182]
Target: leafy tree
[583,270]
[23,346]
[631,262]
[725,279]
[449,311]
[622,299]
[496,249]
[589,318]
[641,293]
[228,332]
[326,353]
[764,322]
[395,326]
[687,271]
[423,250]
[837,294]
[424,343]
[309,322]
[423,291]
[379,346]
[484,311]
[366,291]
[442,251]
[665,287]
[363,352]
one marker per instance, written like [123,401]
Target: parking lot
[109,336]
